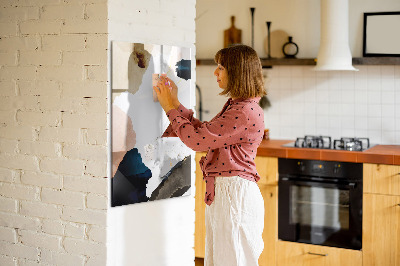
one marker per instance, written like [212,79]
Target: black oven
[320,202]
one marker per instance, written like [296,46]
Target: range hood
[334,51]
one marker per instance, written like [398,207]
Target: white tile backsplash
[361,110]
[387,72]
[348,96]
[374,123]
[322,121]
[374,97]
[347,110]
[322,108]
[364,103]
[310,108]
[388,97]
[361,124]
[389,135]
[397,95]
[397,72]
[397,111]
[387,111]
[374,83]
[387,124]
[322,95]
[388,84]
[347,122]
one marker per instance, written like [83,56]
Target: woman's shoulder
[249,104]
[247,108]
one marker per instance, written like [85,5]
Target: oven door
[321,212]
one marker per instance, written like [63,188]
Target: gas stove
[325,142]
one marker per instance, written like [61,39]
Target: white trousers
[234,223]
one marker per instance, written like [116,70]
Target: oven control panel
[330,169]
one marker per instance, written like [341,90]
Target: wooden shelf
[312,61]
[268,62]
[376,61]
[288,62]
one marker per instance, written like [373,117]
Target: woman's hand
[164,94]
[174,92]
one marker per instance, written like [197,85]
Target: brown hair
[245,78]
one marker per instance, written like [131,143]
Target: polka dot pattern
[231,139]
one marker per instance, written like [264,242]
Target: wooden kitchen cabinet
[381,230]
[381,179]
[381,215]
[200,207]
[270,233]
[267,168]
[298,254]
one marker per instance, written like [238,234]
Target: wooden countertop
[379,154]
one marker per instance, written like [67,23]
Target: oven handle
[297,181]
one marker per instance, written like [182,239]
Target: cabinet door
[381,179]
[270,233]
[381,230]
[267,168]
[297,254]
[200,207]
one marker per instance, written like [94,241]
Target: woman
[235,207]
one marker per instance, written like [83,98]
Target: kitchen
[56,59]
[337,104]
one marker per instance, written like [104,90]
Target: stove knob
[301,166]
[336,169]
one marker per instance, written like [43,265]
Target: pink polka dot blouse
[231,139]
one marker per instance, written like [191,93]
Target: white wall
[299,18]
[160,232]
[338,104]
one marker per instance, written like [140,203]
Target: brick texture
[84,216]
[34,239]
[53,122]
[8,234]
[75,230]
[61,258]
[84,247]
[53,227]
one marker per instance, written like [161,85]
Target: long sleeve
[188,114]
[225,130]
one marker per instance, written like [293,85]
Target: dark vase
[290,49]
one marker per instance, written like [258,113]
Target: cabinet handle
[398,204]
[318,254]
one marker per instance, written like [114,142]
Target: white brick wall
[53,121]
[75,230]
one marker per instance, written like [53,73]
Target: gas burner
[321,142]
[351,144]
[324,142]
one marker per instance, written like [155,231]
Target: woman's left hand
[164,94]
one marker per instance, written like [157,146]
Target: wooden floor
[199,262]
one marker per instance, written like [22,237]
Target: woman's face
[222,76]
